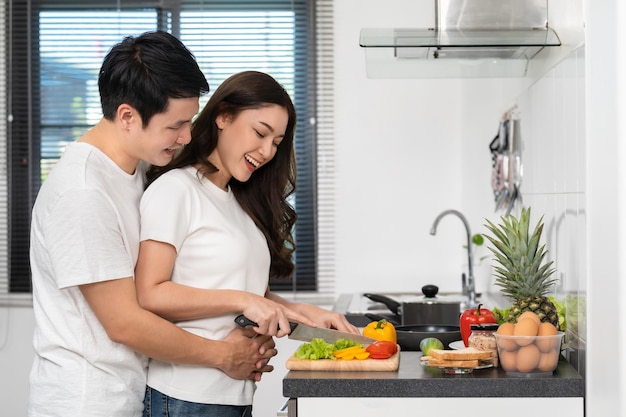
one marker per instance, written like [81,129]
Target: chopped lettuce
[344,343]
[575,307]
[502,314]
[319,349]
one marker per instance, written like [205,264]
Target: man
[91,337]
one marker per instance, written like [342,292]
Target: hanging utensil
[506,150]
[515,163]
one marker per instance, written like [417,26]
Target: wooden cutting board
[390,364]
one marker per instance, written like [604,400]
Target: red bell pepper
[476,315]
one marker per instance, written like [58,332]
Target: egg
[505,343]
[508,360]
[526,327]
[506,329]
[546,344]
[529,315]
[548,361]
[527,358]
[546,329]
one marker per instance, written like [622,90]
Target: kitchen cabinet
[466,407]
[484,392]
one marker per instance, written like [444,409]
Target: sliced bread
[465,354]
[454,364]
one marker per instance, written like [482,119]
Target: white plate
[457,345]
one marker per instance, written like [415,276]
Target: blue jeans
[157,404]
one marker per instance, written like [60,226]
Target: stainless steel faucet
[471,287]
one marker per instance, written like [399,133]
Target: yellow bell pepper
[354,352]
[362,356]
[381,330]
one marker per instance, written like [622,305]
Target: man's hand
[250,354]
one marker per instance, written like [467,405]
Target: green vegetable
[429,343]
[575,307]
[501,314]
[319,349]
[344,343]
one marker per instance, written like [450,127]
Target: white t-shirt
[85,229]
[218,246]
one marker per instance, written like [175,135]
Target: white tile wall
[553,132]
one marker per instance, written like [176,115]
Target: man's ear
[127,115]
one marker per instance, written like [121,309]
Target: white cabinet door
[462,407]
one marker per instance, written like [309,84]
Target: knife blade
[306,333]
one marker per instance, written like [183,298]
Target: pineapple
[520,271]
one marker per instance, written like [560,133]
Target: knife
[306,333]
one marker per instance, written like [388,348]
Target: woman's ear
[222,120]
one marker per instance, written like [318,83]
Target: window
[57,47]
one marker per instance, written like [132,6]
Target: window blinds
[57,47]
[4,192]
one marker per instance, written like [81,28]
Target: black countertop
[414,380]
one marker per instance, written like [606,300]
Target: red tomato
[382,349]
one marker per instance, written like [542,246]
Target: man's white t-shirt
[218,247]
[85,229]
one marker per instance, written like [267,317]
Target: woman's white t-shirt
[218,247]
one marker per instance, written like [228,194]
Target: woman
[216,225]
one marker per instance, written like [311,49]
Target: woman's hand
[326,318]
[273,318]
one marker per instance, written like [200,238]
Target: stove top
[359,304]
[356,306]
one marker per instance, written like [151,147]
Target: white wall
[606,205]
[16,356]
[407,149]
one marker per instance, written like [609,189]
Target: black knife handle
[243,321]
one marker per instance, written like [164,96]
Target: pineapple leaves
[521,269]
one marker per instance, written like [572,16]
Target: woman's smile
[251,162]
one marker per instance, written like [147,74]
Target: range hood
[479,38]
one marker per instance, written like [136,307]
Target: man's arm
[115,304]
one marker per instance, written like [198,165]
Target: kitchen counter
[414,380]
[488,392]
[415,389]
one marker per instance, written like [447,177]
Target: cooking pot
[429,309]
[409,337]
